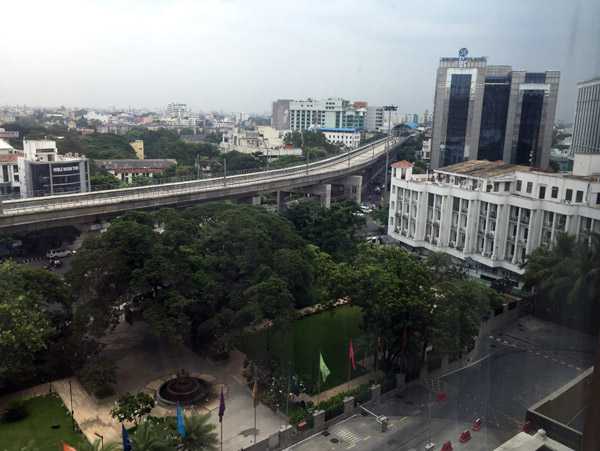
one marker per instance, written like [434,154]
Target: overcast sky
[236,55]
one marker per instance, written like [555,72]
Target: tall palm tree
[439,261]
[199,434]
[152,436]
[567,276]
[84,445]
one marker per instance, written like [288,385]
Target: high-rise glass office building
[492,112]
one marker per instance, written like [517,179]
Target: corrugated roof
[483,168]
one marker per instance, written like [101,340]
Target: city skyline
[230,56]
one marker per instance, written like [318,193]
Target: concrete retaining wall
[558,409]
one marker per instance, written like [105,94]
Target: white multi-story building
[490,213]
[375,119]
[330,113]
[349,137]
[10,179]
[177,110]
[586,129]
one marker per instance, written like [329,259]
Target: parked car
[58,253]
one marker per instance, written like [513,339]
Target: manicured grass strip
[328,331]
[44,412]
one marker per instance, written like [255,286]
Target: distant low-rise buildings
[349,137]
[126,169]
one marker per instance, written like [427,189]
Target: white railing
[341,162]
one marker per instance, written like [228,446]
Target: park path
[141,361]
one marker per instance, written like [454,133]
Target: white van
[57,253]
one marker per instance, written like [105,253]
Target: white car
[57,253]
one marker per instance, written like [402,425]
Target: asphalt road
[515,368]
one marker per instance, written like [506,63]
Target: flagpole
[349,348]
[319,382]
[221,435]
[376,361]
[287,395]
[254,396]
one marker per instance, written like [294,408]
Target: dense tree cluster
[232,265]
[215,269]
[39,339]
[333,230]
[396,290]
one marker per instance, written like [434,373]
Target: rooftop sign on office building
[462,57]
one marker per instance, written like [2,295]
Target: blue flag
[222,407]
[126,442]
[294,388]
[180,427]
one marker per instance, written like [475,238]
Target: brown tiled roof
[402,164]
[10,157]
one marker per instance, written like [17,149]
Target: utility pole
[389,109]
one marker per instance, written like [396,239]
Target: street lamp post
[224,169]
[389,109]
[429,445]
[101,439]
[72,411]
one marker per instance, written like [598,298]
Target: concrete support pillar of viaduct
[321,190]
[354,182]
[280,203]
[250,200]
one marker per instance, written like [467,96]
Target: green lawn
[328,331]
[45,412]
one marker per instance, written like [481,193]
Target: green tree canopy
[133,407]
[334,230]
[25,329]
[566,276]
[217,260]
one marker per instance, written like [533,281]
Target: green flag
[324,370]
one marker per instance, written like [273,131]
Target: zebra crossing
[346,434]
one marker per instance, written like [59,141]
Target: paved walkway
[144,363]
[141,362]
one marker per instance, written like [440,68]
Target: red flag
[352,355]
[67,447]
[404,338]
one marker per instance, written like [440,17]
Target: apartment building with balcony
[490,215]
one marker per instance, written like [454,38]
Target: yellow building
[138,146]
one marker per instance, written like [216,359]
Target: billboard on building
[6,134]
[281,115]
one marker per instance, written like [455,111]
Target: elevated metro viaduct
[90,211]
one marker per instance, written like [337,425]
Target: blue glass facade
[493,118]
[535,77]
[529,127]
[458,112]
